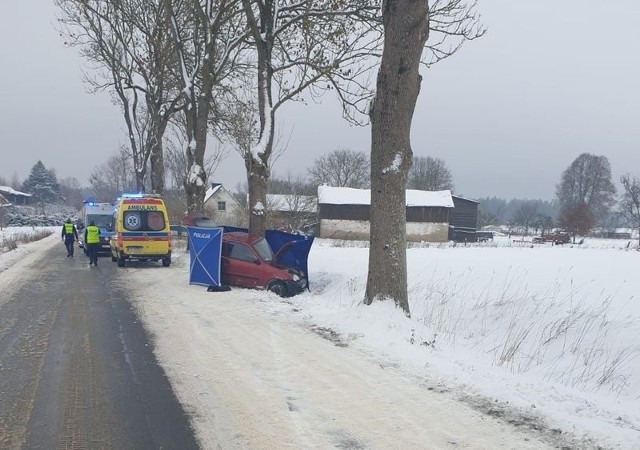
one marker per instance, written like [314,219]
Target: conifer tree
[42,184]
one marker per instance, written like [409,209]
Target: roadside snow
[536,335]
[9,258]
[252,377]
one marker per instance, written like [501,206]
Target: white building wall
[359,230]
[429,232]
[230,215]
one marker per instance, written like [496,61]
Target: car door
[240,265]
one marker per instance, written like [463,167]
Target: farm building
[292,212]
[15,197]
[344,214]
[463,220]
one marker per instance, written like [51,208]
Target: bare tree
[295,200]
[128,43]
[291,183]
[429,174]
[526,215]
[577,219]
[296,46]
[341,168]
[112,178]
[207,36]
[407,26]
[491,211]
[542,223]
[71,192]
[177,164]
[630,203]
[587,181]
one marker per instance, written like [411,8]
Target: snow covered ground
[19,236]
[539,335]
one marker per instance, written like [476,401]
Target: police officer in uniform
[69,235]
[92,241]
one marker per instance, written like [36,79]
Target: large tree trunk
[196,183]
[257,177]
[257,160]
[139,180]
[406,28]
[158,128]
[157,169]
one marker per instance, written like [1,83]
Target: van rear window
[143,220]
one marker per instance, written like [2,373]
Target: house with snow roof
[344,214]
[222,206]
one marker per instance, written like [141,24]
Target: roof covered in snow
[211,191]
[349,196]
[10,190]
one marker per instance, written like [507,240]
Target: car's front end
[298,281]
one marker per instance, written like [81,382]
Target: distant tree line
[535,215]
[585,194]
[585,198]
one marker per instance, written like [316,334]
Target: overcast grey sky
[508,113]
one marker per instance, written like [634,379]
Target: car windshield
[264,250]
[100,220]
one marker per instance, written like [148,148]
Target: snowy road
[76,370]
[250,378]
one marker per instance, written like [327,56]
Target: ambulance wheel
[121,262]
[113,258]
[166,262]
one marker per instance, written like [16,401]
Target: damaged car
[249,261]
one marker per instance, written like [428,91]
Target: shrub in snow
[47,216]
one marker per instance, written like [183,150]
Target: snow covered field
[552,330]
[530,333]
[18,236]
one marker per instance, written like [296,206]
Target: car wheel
[166,262]
[121,262]
[278,288]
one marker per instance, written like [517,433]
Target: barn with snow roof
[343,213]
[15,197]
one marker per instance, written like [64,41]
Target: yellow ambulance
[142,232]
